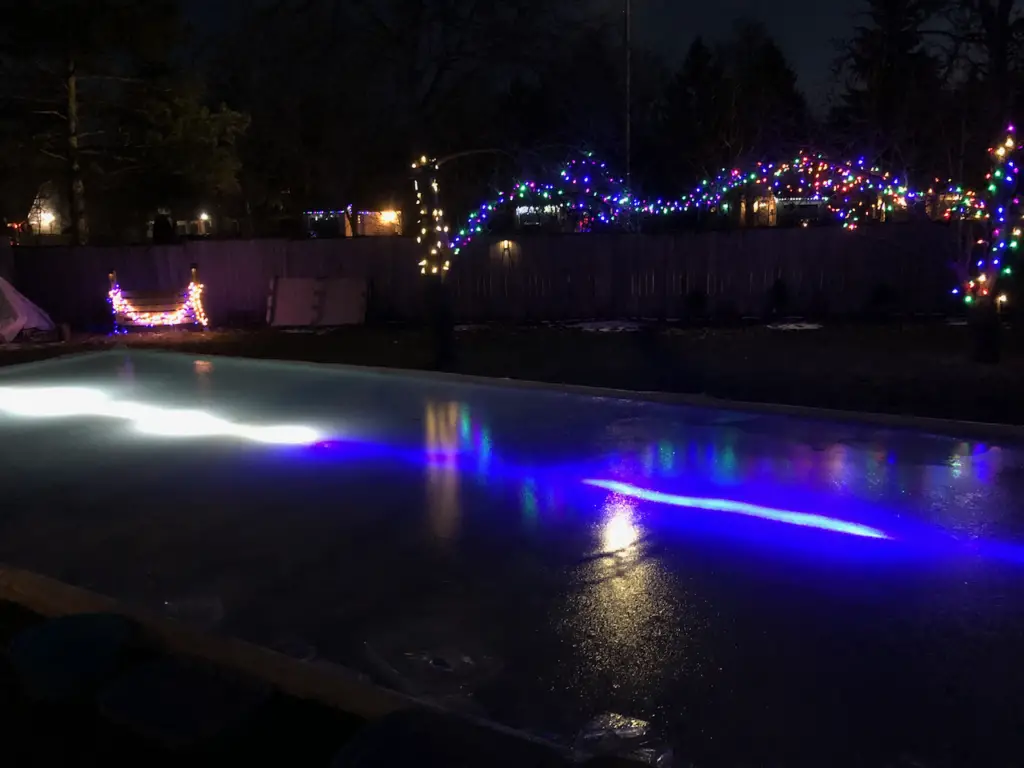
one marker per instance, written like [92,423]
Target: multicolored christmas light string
[845,189]
[987,275]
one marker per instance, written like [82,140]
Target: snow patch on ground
[794,326]
[606,326]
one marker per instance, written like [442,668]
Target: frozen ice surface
[716,581]
[629,738]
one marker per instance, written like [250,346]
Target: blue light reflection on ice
[549,489]
[706,463]
[709,463]
[719,469]
[805,519]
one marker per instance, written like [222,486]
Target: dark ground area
[72,731]
[913,369]
[148,708]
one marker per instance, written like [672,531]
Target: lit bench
[151,310]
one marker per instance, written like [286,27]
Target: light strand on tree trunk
[433,232]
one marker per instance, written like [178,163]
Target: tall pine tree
[890,85]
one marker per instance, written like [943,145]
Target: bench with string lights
[138,309]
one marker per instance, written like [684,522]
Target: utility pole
[629,95]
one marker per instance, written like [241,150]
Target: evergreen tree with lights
[987,286]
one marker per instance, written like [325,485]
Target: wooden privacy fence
[538,277]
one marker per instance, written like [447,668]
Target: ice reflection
[619,530]
[616,618]
[870,486]
[731,456]
[666,455]
[204,370]
[976,461]
[126,371]
[804,519]
[483,451]
[854,472]
[78,402]
[442,421]
[528,501]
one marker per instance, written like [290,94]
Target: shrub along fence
[902,268]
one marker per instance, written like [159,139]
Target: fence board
[547,277]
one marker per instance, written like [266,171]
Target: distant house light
[204,216]
[352,222]
[46,218]
[523,210]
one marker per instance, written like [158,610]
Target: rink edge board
[320,681]
[927,424]
[327,683]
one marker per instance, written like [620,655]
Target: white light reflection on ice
[628,611]
[619,532]
[66,402]
[52,402]
[441,439]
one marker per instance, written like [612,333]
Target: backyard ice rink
[762,589]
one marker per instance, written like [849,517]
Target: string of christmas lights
[989,274]
[190,311]
[432,229]
[851,191]
[848,190]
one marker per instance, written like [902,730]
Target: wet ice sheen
[704,580]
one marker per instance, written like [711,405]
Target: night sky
[807,30]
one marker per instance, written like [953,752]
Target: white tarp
[18,314]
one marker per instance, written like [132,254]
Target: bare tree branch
[112,78]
